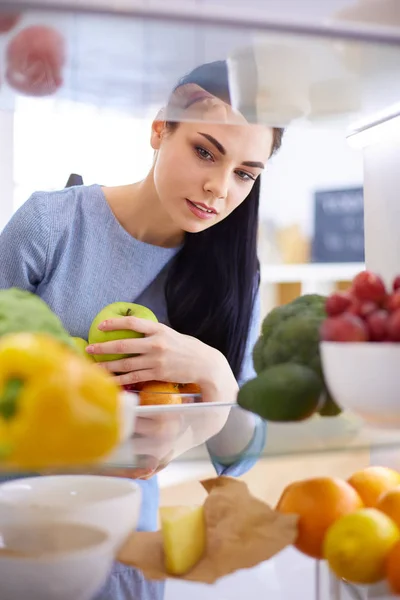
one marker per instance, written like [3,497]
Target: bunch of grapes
[367,312]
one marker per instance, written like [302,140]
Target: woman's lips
[199,212]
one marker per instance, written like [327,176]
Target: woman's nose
[217,184]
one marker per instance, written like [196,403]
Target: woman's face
[204,170]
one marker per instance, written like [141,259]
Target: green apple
[115,311]
[80,345]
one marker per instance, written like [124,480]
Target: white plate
[164,408]
[165,431]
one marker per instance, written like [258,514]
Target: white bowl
[110,503]
[365,378]
[57,562]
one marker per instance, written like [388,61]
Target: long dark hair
[212,282]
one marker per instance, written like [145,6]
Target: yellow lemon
[356,546]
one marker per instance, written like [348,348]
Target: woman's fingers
[130,472]
[132,323]
[135,377]
[162,427]
[127,365]
[124,346]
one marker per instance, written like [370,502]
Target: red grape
[393,302]
[377,323]
[344,328]
[362,309]
[337,303]
[396,283]
[369,286]
[393,326]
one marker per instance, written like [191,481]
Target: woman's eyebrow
[255,164]
[221,149]
[215,142]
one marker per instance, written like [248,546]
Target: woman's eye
[203,153]
[245,176]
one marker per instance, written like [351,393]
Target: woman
[183,243]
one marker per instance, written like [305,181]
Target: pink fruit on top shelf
[8,21]
[35,58]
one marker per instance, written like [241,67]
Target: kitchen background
[44,141]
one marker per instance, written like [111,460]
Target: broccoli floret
[277,316]
[295,340]
[22,311]
[329,407]
[313,304]
[258,359]
[290,334]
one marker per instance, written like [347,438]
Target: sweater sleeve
[24,246]
[239,419]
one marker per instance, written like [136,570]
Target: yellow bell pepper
[56,408]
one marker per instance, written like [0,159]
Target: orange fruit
[159,392]
[392,569]
[389,503]
[318,502]
[372,482]
[190,388]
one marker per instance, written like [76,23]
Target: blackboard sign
[338,226]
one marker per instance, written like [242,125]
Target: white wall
[310,159]
[6,166]
[54,139]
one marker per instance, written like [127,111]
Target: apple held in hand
[81,345]
[114,311]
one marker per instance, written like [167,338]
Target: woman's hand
[149,451]
[166,355]
[152,446]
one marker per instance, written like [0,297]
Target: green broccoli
[277,316]
[312,305]
[22,311]
[314,302]
[329,407]
[309,303]
[258,359]
[290,335]
[295,340]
